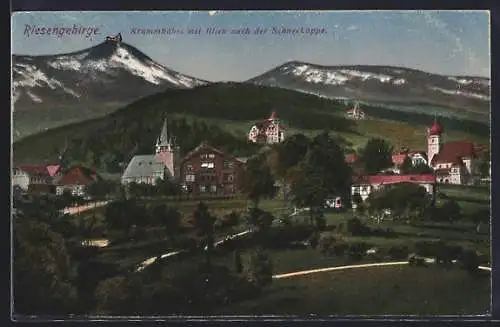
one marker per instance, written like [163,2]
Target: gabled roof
[263,125]
[452,150]
[34,170]
[204,146]
[78,175]
[144,166]
[46,171]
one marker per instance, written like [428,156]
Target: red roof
[40,169]
[398,158]
[394,179]
[452,150]
[34,169]
[351,158]
[436,129]
[78,176]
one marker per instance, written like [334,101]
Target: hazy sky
[443,42]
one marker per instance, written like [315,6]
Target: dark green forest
[200,115]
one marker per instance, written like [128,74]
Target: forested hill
[194,116]
[220,114]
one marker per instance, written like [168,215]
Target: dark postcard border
[58,5]
[492,5]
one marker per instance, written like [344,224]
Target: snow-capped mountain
[109,71]
[52,90]
[383,84]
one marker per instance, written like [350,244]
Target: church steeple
[164,141]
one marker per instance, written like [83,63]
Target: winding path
[83,208]
[382,264]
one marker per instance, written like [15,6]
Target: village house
[149,168]
[76,180]
[39,178]
[207,170]
[364,185]
[270,131]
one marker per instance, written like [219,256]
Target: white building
[270,131]
[365,185]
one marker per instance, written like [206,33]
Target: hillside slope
[222,114]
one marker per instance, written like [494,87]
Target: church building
[164,164]
[453,162]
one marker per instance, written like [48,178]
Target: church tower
[434,140]
[168,152]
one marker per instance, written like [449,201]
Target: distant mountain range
[465,96]
[53,90]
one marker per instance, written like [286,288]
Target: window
[228,164]
[190,178]
[211,156]
[208,165]
[213,188]
[207,177]
[189,167]
[203,188]
[364,189]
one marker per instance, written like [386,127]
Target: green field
[389,290]
[461,232]
[374,291]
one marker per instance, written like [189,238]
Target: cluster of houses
[53,179]
[454,162]
[206,170]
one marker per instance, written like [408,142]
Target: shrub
[314,240]
[425,249]
[398,252]
[339,249]
[284,235]
[260,269]
[230,220]
[325,243]
[320,223]
[356,227]
[356,251]
[469,260]
[416,260]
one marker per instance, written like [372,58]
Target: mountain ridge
[384,85]
[53,90]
